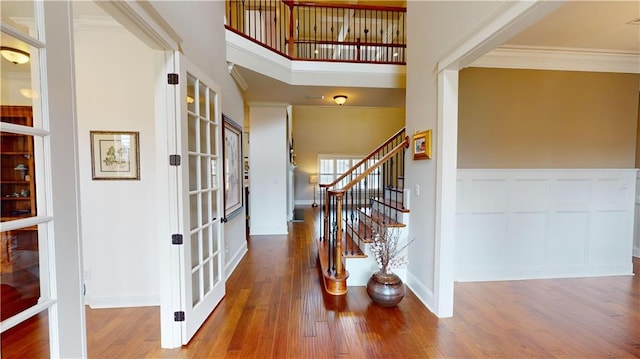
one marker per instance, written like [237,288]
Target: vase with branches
[385,287]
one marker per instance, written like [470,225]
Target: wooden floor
[275,308]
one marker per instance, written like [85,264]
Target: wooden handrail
[402,145]
[368,157]
[349,43]
[349,6]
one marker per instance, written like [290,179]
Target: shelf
[19,153]
[15,198]
[13,218]
[15,182]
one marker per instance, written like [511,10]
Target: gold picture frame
[422,145]
[115,155]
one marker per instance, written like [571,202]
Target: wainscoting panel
[524,224]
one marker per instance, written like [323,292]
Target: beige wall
[638,136]
[337,130]
[547,119]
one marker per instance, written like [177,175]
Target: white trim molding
[562,59]
[248,54]
[235,74]
[233,262]
[544,223]
[123,301]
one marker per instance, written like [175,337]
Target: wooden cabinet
[17,186]
[17,192]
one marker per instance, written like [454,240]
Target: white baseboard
[232,263]
[268,231]
[303,202]
[421,291]
[124,301]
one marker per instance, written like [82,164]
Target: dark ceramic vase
[386,290]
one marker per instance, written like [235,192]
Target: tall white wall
[115,78]
[268,169]
[433,30]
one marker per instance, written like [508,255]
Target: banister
[319,31]
[368,157]
[363,175]
[341,207]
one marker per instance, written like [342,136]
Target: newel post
[338,246]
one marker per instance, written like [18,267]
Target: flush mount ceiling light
[14,55]
[340,99]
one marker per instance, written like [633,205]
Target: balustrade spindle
[320,31]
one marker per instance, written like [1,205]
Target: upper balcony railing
[322,31]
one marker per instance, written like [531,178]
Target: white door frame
[142,20]
[508,20]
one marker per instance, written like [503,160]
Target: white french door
[200,200]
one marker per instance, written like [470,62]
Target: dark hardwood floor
[275,308]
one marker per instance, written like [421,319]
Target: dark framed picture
[115,155]
[233,167]
[422,145]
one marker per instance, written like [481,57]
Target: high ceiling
[599,25]
[590,25]
[593,25]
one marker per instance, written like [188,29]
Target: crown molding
[97,23]
[233,71]
[563,59]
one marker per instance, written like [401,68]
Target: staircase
[372,200]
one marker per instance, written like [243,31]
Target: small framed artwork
[233,167]
[422,145]
[115,155]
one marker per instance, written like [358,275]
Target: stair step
[360,230]
[350,247]
[397,205]
[381,218]
[395,189]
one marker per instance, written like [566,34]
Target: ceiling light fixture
[14,55]
[29,93]
[340,99]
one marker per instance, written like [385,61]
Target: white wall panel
[521,224]
[567,247]
[611,238]
[526,241]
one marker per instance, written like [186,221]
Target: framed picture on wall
[422,145]
[115,155]
[233,167]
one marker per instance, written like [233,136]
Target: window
[330,167]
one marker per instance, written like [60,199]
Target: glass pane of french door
[202,202]
[24,222]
